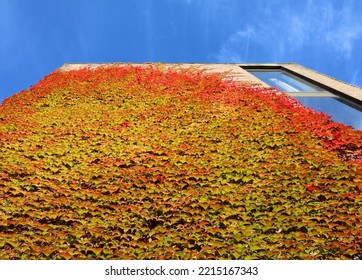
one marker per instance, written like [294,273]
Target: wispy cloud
[314,25]
[347,29]
[236,48]
[356,78]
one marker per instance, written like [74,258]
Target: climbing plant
[155,162]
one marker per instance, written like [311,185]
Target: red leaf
[311,188]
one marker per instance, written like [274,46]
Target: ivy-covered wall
[145,162]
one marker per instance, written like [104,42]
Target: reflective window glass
[284,82]
[338,110]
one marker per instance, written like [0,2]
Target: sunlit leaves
[153,163]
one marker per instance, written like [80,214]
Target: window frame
[323,91]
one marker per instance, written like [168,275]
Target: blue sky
[38,36]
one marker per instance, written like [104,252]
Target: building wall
[233,71]
[238,74]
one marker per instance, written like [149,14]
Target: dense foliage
[128,162]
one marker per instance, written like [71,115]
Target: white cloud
[347,29]
[342,40]
[318,26]
[297,32]
[236,48]
[356,78]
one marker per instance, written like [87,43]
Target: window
[284,82]
[335,107]
[312,96]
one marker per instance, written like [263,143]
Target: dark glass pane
[284,82]
[339,111]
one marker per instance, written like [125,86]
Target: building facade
[169,162]
[342,101]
